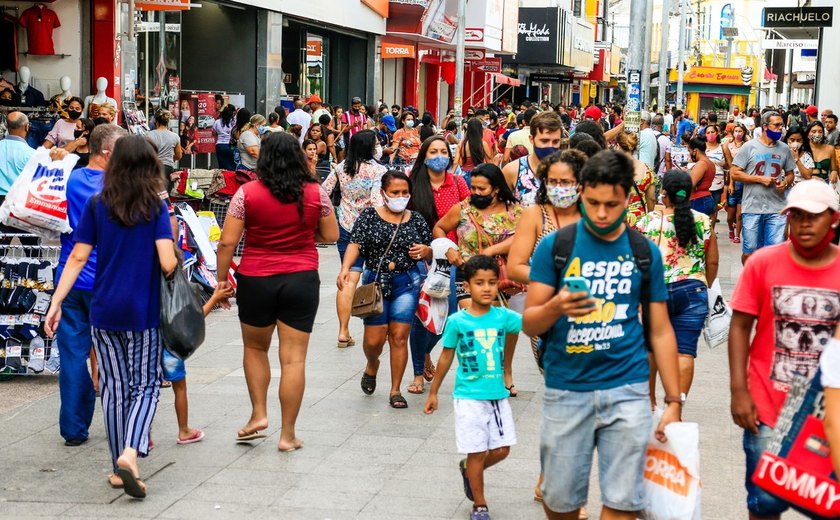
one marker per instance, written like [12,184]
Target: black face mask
[481,201]
[78,133]
[74,114]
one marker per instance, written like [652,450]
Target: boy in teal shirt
[484,429]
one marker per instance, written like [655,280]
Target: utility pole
[635,64]
[663,56]
[681,55]
[460,37]
[646,97]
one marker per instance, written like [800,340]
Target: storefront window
[158,63]
[314,71]
[275,87]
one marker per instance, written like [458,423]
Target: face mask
[409,123]
[377,152]
[261,129]
[817,249]
[481,201]
[544,151]
[397,204]
[562,196]
[437,164]
[77,133]
[602,230]
[773,135]
[711,138]
[794,146]
[74,114]
[816,138]
[485,124]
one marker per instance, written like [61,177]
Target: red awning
[506,80]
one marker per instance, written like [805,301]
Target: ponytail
[677,184]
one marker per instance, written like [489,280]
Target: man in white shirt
[663,157]
[299,117]
[647,142]
[668,121]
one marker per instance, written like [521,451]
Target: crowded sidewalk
[361,458]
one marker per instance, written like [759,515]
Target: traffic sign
[487,65]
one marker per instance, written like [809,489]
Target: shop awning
[505,80]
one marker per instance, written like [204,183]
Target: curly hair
[282,167]
[595,130]
[574,159]
[480,263]
[677,185]
[133,179]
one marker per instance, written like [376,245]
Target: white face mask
[396,204]
[377,152]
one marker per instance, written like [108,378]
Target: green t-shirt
[479,343]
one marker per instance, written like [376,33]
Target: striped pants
[130,377]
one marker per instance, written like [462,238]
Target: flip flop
[196,437]
[133,486]
[415,388]
[429,372]
[249,436]
[398,401]
[289,450]
[111,482]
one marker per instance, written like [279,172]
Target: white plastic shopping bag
[37,200]
[437,284]
[432,312]
[716,329]
[672,473]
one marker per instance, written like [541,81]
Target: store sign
[548,78]
[538,36]
[473,54]
[790,44]
[632,111]
[162,5]
[711,75]
[797,17]
[397,50]
[313,47]
[145,27]
[487,65]
[474,35]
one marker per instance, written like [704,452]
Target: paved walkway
[361,459]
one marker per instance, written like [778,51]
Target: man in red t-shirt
[39,22]
[791,292]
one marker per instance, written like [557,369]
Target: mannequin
[92,102]
[57,100]
[26,94]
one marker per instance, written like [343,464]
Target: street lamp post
[460,37]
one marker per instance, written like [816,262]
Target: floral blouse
[408,144]
[357,192]
[496,228]
[372,233]
[680,263]
[636,208]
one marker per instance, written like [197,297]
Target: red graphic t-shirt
[39,23]
[798,309]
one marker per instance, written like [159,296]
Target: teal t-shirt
[606,348]
[479,343]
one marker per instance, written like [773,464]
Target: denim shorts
[761,229]
[343,242]
[688,306]
[705,205]
[402,305]
[759,502]
[173,367]
[734,198]
[617,422]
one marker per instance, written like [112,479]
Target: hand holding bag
[368,300]
[716,329]
[181,315]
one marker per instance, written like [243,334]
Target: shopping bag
[432,312]
[181,316]
[796,467]
[672,473]
[438,281]
[37,200]
[716,329]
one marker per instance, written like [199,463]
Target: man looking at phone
[595,356]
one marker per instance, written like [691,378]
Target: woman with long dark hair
[358,179]
[223,128]
[283,214]
[395,268]
[740,135]
[473,149]
[800,148]
[129,225]
[434,191]
[243,117]
[318,134]
[715,153]
[690,256]
[702,176]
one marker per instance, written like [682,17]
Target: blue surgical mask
[544,151]
[773,135]
[437,163]
[409,123]
[261,129]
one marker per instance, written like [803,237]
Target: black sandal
[398,401]
[368,383]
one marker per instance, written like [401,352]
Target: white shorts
[483,425]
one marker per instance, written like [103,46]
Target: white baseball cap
[813,196]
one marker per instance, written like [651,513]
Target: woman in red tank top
[702,176]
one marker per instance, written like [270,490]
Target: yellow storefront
[714,89]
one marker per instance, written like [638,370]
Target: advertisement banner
[538,36]
[196,115]
[440,20]
[632,114]
[711,75]
[206,141]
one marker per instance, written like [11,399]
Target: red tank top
[702,188]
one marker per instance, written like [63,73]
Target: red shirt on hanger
[39,22]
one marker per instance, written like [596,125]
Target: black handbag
[335,194]
[181,316]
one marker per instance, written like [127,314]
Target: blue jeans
[759,502]
[75,386]
[343,242]
[616,421]
[402,305]
[761,229]
[688,306]
[421,340]
[38,131]
[705,205]
[224,156]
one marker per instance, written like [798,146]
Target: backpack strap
[561,250]
[642,258]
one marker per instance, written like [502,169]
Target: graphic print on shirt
[769,164]
[477,345]
[804,322]
[606,279]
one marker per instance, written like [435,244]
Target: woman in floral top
[358,178]
[643,193]
[690,256]
[405,144]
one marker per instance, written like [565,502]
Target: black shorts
[290,298]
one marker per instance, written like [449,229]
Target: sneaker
[467,488]
[480,513]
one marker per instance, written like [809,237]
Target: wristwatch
[675,399]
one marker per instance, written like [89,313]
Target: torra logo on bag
[664,468]
[46,192]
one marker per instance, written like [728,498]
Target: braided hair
[677,185]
